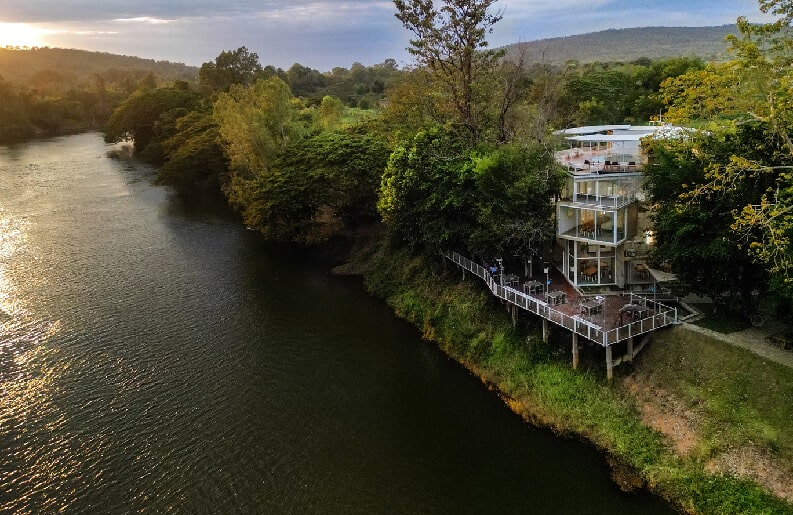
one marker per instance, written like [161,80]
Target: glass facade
[593,224]
[597,215]
[590,264]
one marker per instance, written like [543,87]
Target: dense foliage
[438,194]
[694,229]
[746,104]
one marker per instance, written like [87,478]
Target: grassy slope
[538,382]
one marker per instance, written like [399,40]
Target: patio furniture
[556,297]
[532,287]
[511,280]
[591,307]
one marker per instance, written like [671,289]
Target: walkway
[753,339]
[606,328]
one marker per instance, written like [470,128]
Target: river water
[160,358]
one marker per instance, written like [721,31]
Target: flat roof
[608,137]
[590,129]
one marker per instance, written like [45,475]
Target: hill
[629,44]
[22,65]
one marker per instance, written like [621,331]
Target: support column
[514,310]
[629,356]
[545,329]
[609,364]
[575,351]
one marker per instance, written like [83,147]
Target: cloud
[318,34]
[323,33]
[90,10]
[144,19]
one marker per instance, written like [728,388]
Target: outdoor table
[511,280]
[532,287]
[591,307]
[556,297]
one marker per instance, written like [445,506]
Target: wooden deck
[606,326]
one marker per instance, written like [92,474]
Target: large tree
[321,185]
[148,116]
[194,158]
[754,88]
[427,194]
[255,124]
[514,185]
[239,66]
[450,40]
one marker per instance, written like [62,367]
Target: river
[156,357]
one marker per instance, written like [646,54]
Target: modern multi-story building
[603,233]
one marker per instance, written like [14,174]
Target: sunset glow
[20,34]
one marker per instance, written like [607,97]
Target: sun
[20,35]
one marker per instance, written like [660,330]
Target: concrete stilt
[575,351]
[609,364]
[545,330]
[514,310]
[629,355]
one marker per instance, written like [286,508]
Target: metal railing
[662,315]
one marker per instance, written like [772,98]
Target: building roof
[590,129]
[608,137]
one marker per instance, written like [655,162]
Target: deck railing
[662,315]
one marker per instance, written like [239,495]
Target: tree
[414,104]
[144,116]
[514,185]
[693,217]
[450,42]
[230,67]
[427,193]
[756,88]
[14,121]
[321,185]
[330,111]
[255,124]
[304,81]
[194,159]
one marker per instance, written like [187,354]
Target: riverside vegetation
[705,426]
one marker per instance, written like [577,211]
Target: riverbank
[635,419]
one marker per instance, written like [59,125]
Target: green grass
[720,321]
[354,115]
[746,401]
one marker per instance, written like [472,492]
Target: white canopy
[591,129]
[661,276]
[606,138]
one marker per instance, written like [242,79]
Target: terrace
[606,320]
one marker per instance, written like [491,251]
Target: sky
[321,34]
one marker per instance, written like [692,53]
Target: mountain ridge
[708,43]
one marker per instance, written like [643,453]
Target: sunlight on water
[11,239]
[27,383]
